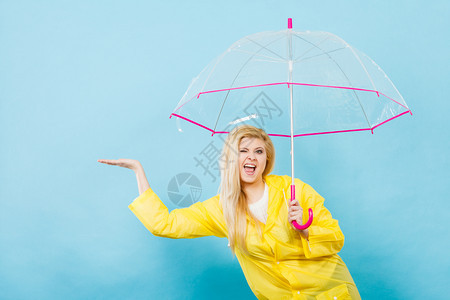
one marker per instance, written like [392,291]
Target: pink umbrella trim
[297,135]
[293,83]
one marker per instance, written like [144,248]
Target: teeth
[250,166]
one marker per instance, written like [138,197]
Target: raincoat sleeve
[325,235]
[200,219]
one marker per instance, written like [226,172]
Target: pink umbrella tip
[289,23]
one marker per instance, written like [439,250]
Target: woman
[251,210]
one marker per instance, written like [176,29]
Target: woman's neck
[253,191]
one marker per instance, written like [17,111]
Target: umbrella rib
[343,73]
[295,60]
[284,59]
[260,55]
[221,109]
[212,70]
[357,57]
[228,92]
[368,75]
[223,54]
[405,106]
[309,57]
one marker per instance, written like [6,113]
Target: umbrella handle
[307,224]
[310,212]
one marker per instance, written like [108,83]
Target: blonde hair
[232,197]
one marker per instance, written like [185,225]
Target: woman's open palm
[122,162]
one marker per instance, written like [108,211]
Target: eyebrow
[242,148]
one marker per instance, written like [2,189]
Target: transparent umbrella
[291,84]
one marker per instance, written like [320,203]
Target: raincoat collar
[276,188]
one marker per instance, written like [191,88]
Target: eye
[243,150]
[259,151]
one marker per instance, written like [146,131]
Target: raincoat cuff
[141,199]
[322,244]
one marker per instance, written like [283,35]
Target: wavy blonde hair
[232,197]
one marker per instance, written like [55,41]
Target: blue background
[83,80]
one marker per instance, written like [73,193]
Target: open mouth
[249,169]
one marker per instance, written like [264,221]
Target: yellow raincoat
[281,264]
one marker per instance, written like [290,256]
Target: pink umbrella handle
[310,212]
[307,224]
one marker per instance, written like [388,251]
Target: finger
[108,161]
[295,219]
[294,208]
[294,215]
[294,202]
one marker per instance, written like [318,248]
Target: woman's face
[252,160]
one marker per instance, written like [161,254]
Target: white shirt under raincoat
[280,264]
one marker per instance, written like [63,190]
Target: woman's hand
[133,165]
[122,162]
[296,214]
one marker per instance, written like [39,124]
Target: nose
[251,156]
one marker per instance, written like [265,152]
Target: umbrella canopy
[336,88]
[291,84]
